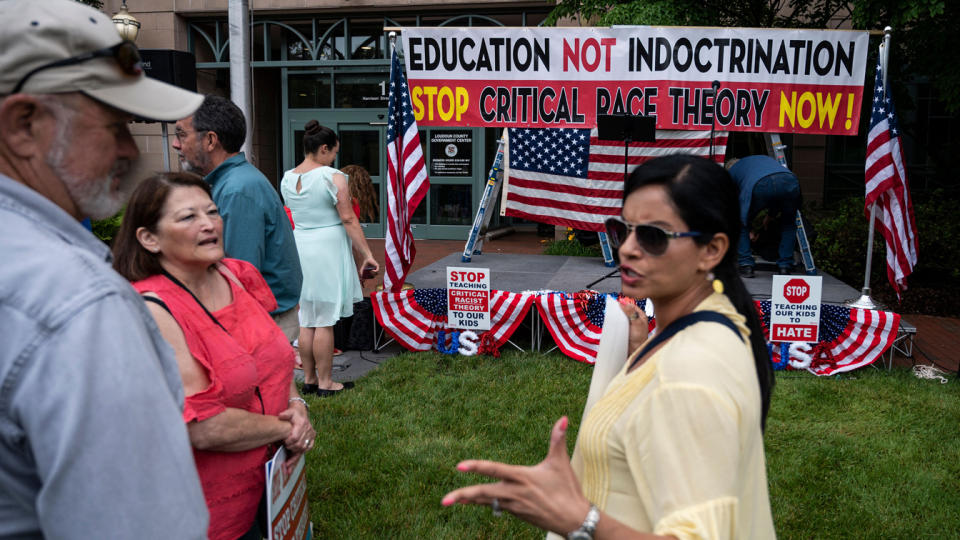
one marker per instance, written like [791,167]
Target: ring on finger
[495,507]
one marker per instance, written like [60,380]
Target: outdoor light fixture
[127,25]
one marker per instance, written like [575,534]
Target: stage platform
[525,272]
[518,273]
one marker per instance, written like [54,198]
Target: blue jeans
[777,193]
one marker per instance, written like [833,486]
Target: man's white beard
[95,199]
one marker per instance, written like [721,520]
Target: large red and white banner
[782,81]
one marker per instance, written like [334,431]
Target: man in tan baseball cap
[92,438]
[41,54]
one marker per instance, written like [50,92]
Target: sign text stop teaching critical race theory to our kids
[468,298]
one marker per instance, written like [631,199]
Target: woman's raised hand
[547,494]
[639,323]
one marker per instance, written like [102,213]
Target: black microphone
[716,86]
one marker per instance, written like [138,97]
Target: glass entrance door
[361,133]
[455,159]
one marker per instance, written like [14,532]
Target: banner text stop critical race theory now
[800,81]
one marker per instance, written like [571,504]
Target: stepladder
[777,150]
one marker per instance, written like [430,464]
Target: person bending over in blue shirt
[765,184]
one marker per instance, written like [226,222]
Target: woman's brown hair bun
[316,136]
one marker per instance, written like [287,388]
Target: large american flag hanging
[407,181]
[850,338]
[569,177]
[887,187]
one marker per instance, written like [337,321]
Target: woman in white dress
[333,253]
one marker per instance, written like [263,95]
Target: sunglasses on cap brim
[125,53]
[652,239]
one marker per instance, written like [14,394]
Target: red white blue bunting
[850,338]
[575,321]
[413,318]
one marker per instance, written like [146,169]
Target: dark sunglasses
[652,239]
[125,53]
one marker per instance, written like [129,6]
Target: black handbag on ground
[355,333]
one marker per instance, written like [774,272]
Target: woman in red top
[236,364]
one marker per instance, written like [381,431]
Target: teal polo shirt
[256,228]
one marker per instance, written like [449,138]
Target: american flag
[407,181]
[413,318]
[569,177]
[850,338]
[887,188]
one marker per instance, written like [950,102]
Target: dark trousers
[258,530]
[777,193]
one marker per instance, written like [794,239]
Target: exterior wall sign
[783,81]
[451,153]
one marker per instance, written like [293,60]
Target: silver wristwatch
[585,532]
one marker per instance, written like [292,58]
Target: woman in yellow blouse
[672,445]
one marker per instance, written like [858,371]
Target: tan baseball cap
[35,33]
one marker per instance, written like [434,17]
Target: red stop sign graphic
[796,291]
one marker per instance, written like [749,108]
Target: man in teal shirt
[255,226]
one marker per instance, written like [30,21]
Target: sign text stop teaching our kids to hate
[802,81]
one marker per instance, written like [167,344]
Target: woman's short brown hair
[130,259]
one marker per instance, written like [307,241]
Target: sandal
[322,392]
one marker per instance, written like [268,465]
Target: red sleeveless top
[251,357]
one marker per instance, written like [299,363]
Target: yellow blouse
[675,446]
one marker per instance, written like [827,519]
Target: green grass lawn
[868,455]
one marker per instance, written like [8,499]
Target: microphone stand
[626,152]
[713,116]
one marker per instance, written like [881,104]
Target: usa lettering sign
[771,80]
[468,298]
[795,308]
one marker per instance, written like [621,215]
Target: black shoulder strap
[681,323]
[195,299]
[157,301]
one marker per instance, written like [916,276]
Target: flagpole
[865,302]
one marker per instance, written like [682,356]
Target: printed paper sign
[771,80]
[795,308]
[451,153]
[468,298]
[287,510]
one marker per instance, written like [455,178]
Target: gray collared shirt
[92,440]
